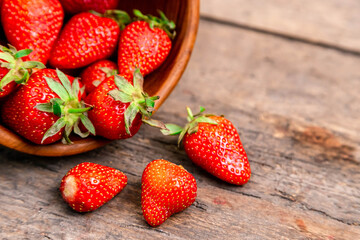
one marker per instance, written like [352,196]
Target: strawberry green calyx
[70,110]
[122,18]
[154,22]
[140,102]
[191,127]
[19,71]
[108,71]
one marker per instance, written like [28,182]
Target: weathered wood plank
[296,110]
[331,22]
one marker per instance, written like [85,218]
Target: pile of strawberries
[59,77]
[49,105]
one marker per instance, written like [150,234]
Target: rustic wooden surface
[297,108]
[333,23]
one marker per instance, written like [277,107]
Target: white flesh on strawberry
[70,188]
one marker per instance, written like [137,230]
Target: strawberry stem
[190,114]
[78,110]
[191,127]
[96,13]
[109,72]
[154,22]
[122,18]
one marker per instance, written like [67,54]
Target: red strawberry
[213,143]
[8,88]
[88,186]
[32,24]
[76,6]
[119,108]
[86,38]
[97,72]
[46,108]
[166,188]
[144,44]
[13,70]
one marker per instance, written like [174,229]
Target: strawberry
[32,24]
[213,143]
[13,70]
[119,108]
[86,38]
[88,186]
[144,44]
[166,189]
[97,72]
[8,88]
[77,6]
[46,108]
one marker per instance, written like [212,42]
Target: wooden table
[287,74]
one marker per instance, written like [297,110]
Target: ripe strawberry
[166,188]
[46,108]
[13,70]
[144,44]
[77,6]
[86,38]
[213,143]
[97,72]
[119,108]
[32,24]
[88,186]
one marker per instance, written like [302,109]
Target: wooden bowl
[185,13]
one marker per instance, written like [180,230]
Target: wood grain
[160,83]
[331,23]
[297,113]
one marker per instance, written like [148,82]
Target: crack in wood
[285,196]
[279,35]
[241,193]
[201,206]
[145,228]
[261,163]
[46,167]
[59,215]
[292,199]
[321,157]
[334,218]
[131,173]
[325,144]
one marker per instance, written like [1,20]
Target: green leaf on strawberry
[213,143]
[154,22]
[190,127]
[138,99]
[10,58]
[68,107]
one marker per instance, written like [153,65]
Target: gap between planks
[208,18]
